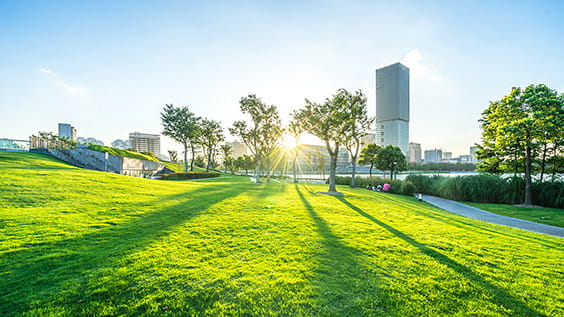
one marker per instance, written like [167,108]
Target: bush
[489,189]
[189,175]
[396,186]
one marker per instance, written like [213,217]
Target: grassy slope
[549,216]
[78,242]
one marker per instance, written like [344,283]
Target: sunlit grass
[548,216]
[76,242]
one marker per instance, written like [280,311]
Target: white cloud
[70,88]
[75,90]
[419,70]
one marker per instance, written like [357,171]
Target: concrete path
[479,214]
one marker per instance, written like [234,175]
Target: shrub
[189,175]
[396,186]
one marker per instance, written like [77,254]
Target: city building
[68,131]
[447,155]
[414,152]
[145,142]
[121,144]
[238,148]
[392,106]
[369,138]
[89,141]
[466,159]
[473,150]
[14,145]
[433,156]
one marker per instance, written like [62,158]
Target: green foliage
[488,189]
[211,134]
[122,153]
[200,162]
[522,128]
[390,158]
[368,155]
[173,155]
[329,122]
[189,175]
[397,186]
[263,136]
[76,242]
[182,125]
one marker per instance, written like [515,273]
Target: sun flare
[288,141]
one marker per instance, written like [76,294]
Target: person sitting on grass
[386,187]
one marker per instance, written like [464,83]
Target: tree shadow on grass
[499,296]
[345,286]
[459,221]
[32,278]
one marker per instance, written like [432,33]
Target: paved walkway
[479,214]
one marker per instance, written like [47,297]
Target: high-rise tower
[392,106]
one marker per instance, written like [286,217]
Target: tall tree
[226,153]
[263,134]
[211,134]
[181,125]
[328,122]
[357,124]
[368,155]
[391,158]
[520,127]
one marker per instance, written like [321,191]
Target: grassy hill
[77,242]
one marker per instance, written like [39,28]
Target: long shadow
[346,287]
[40,273]
[500,296]
[469,225]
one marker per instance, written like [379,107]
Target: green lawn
[549,216]
[76,242]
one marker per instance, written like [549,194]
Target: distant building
[466,159]
[238,148]
[68,131]
[145,142]
[473,150]
[414,152]
[369,138]
[447,155]
[433,156]
[392,106]
[121,144]
[89,141]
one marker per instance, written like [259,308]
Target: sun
[288,141]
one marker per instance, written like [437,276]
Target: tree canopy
[391,158]
[525,127]
[262,136]
[181,125]
[368,155]
[211,134]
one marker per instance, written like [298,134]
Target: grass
[122,153]
[77,242]
[548,216]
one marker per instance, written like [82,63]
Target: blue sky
[109,67]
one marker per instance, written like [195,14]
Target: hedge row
[397,186]
[189,175]
[489,189]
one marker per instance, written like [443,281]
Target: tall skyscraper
[392,106]
[144,142]
[68,131]
[433,156]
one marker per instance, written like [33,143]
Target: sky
[109,67]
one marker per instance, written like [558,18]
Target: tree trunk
[185,158]
[208,163]
[528,181]
[543,161]
[333,172]
[257,179]
[371,165]
[353,159]
[192,160]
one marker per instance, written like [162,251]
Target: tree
[181,125]
[173,155]
[327,121]
[368,155]
[211,134]
[263,135]
[521,128]
[357,124]
[226,153]
[391,158]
